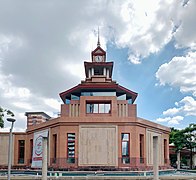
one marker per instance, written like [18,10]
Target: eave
[101,86]
[89,65]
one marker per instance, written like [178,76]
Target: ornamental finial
[98,42]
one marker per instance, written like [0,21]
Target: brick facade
[98,112]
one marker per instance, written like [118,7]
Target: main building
[98,128]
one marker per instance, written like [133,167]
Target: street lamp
[10,147]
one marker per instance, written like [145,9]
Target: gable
[98,50]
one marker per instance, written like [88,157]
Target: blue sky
[152,99]
[43,45]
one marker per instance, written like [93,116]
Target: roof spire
[98,42]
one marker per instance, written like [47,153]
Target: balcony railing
[64,162]
[122,109]
[125,160]
[21,161]
[141,160]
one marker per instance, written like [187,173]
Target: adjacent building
[97,128]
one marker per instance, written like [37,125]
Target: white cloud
[185,107]
[185,35]
[175,120]
[22,105]
[171,111]
[75,69]
[19,92]
[188,106]
[179,72]
[9,42]
[146,29]
[52,103]
[171,120]
[42,41]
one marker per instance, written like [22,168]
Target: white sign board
[38,148]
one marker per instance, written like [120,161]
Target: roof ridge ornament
[98,41]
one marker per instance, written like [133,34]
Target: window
[31,150]
[125,148]
[54,147]
[130,101]
[74,97]
[67,101]
[98,107]
[21,149]
[91,93]
[121,97]
[98,71]
[165,150]
[71,147]
[141,148]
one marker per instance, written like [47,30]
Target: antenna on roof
[98,42]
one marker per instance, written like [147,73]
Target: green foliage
[177,137]
[4,112]
[190,136]
[184,139]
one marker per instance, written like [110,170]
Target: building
[98,128]
[185,157]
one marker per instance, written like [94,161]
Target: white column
[104,71]
[107,73]
[178,160]
[155,158]
[44,158]
[194,160]
[92,71]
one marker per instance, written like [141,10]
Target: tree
[190,140]
[2,114]
[184,139]
[177,137]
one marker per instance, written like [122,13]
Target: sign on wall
[38,148]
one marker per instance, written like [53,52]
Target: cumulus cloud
[185,35]
[41,42]
[171,120]
[171,111]
[179,72]
[185,107]
[188,106]
[148,28]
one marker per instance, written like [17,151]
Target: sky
[43,46]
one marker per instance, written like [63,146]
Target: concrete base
[102,178]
